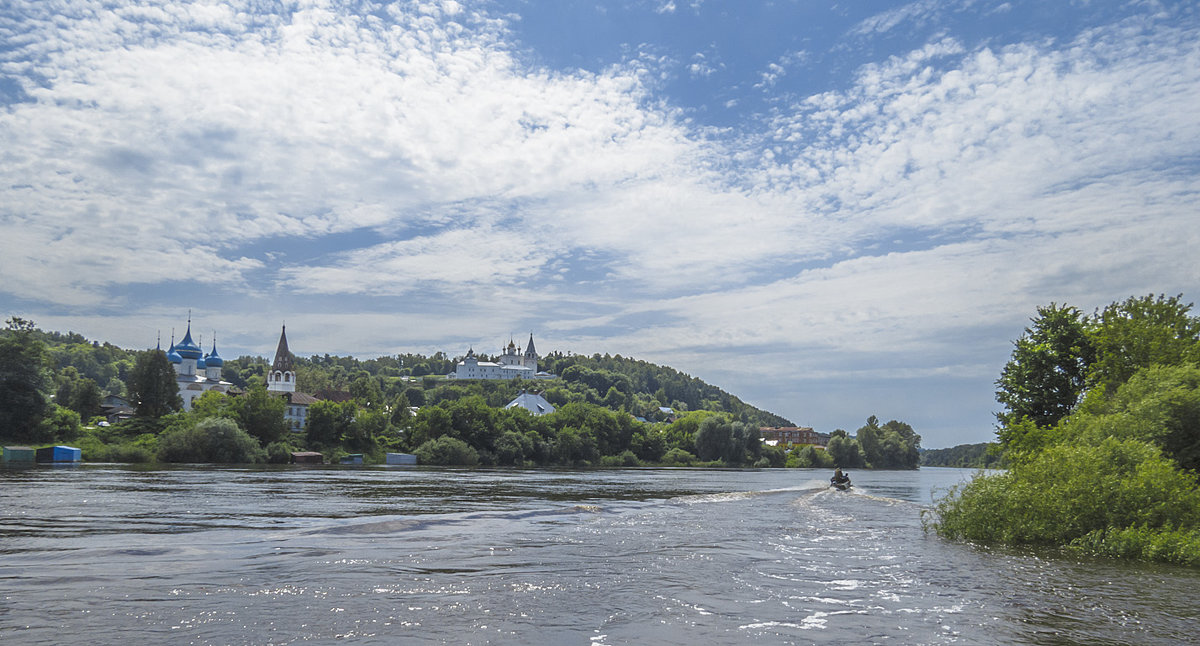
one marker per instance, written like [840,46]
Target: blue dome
[213,360]
[200,363]
[173,356]
[187,348]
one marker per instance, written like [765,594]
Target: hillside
[615,382]
[81,368]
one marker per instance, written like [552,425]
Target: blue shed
[59,454]
[401,458]
[353,458]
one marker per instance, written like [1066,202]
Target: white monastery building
[513,364]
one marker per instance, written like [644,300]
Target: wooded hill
[83,371]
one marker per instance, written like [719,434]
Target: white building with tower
[513,364]
[281,381]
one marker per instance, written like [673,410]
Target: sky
[829,209]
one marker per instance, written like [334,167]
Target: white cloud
[930,203]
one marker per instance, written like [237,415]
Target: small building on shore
[793,436]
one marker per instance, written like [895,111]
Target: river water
[105,554]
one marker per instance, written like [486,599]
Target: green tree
[1159,404]
[844,451]
[368,426]
[60,425]
[86,398]
[1140,332]
[327,421]
[512,449]
[22,377]
[1047,372]
[870,438]
[714,439]
[152,385]
[901,446]
[261,414]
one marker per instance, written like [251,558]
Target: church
[281,382]
[195,372]
[513,364]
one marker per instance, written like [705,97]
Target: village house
[793,435]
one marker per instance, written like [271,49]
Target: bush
[625,459]
[1102,498]
[809,457]
[447,451]
[129,453]
[1142,543]
[215,439]
[679,457]
[279,452]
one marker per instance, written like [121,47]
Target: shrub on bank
[215,439]
[678,457]
[1119,496]
[447,451]
[625,459]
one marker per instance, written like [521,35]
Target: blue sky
[830,209]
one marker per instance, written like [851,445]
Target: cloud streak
[897,227]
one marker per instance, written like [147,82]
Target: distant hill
[970,456]
[619,383]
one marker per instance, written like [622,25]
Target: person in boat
[839,478]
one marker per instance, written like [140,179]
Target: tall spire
[283,356]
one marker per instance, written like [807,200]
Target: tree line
[610,411]
[1101,429]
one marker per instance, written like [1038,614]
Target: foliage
[1142,543]
[598,399]
[62,424]
[279,452]
[807,457]
[733,443]
[844,451]
[447,451]
[1140,332]
[80,394]
[260,414]
[327,421]
[984,455]
[23,363]
[678,457]
[1067,493]
[894,445]
[643,388]
[216,440]
[1048,370]
[625,459]
[152,386]
[1159,404]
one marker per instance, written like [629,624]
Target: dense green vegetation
[1102,432]
[51,379]
[984,455]
[611,411]
[893,445]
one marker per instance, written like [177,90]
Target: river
[107,554]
